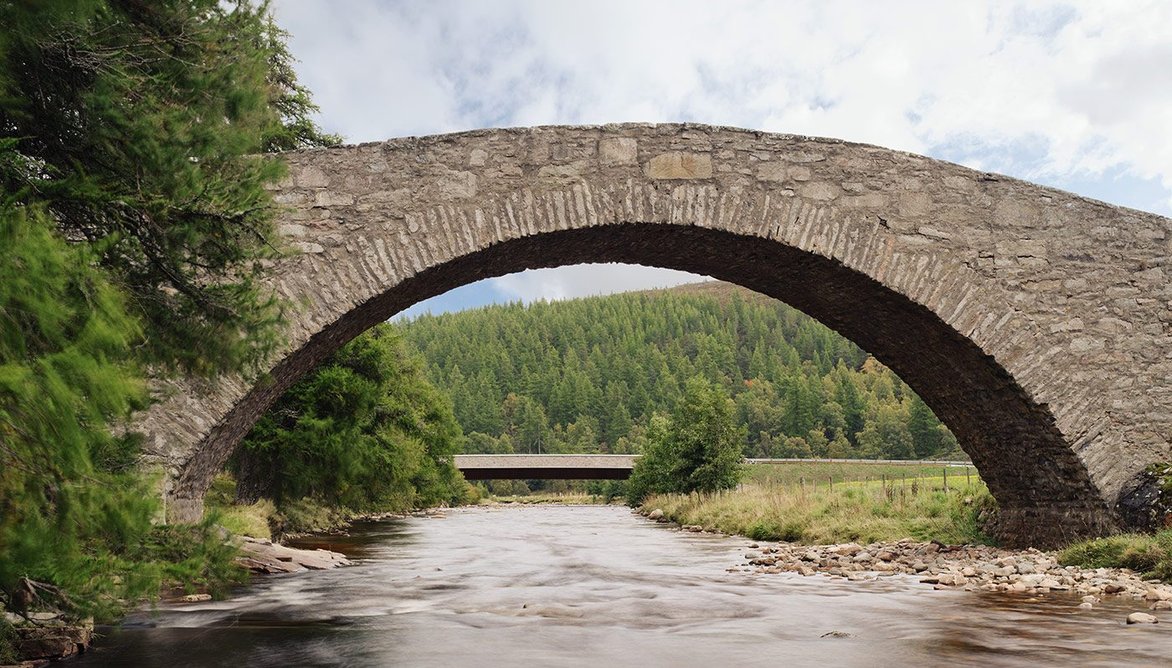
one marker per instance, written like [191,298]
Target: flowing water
[597,586]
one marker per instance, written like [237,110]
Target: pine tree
[364,431]
[131,215]
[136,125]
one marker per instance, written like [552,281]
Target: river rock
[656,514]
[264,556]
[1142,618]
[1161,605]
[1086,605]
[52,642]
[1155,594]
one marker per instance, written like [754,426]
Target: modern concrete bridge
[611,467]
[546,467]
[1036,323]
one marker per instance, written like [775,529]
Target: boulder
[1142,618]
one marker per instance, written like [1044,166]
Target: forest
[588,375]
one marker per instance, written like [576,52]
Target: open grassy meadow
[817,502]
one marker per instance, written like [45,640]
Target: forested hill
[586,375]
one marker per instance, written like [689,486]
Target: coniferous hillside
[586,375]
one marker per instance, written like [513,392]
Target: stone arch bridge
[1036,323]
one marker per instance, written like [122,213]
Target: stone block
[311,176]
[679,165]
[772,171]
[618,151]
[819,190]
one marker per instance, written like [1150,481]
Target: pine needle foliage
[365,431]
[133,225]
[138,126]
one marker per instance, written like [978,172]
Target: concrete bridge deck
[611,467]
[545,467]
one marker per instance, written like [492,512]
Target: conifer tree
[133,214]
[137,126]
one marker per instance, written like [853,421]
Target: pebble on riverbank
[966,567]
[970,567]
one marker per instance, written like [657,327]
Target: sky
[1074,95]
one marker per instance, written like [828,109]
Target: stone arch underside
[1034,322]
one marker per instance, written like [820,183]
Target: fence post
[945,478]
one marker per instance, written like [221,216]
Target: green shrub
[1139,552]
[697,450]
[7,643]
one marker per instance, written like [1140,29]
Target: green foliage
[75,518]
[545,375]
[192,557]
[365,431]
[1147,554]
[698,449]
[136,125]
[7,643]
[239,519]
[132,218]
[67,502]
[784,508]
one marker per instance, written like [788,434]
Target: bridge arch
[1036,323]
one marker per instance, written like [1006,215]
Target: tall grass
[817,474]
[861,510]
[1150,555]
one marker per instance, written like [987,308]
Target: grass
[801,505]
[564,498]
[254,520]
[821,473]
[1150,555]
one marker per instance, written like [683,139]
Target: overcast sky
[1075,95]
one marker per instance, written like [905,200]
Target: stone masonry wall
[1036,323]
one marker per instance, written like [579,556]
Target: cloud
[1076,95]
[584,280]
[1089,81]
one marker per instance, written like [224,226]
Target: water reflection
[597,586]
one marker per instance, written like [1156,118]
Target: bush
[772,530]
[1139,552]
[697,449]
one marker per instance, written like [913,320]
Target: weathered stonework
[1036,323]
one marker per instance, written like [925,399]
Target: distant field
[837,501]
[822,474]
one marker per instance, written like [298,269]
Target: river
[597,586]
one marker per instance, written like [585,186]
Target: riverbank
[923,508]
[557,499]
[966,567]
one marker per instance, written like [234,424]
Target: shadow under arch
[1044,490]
